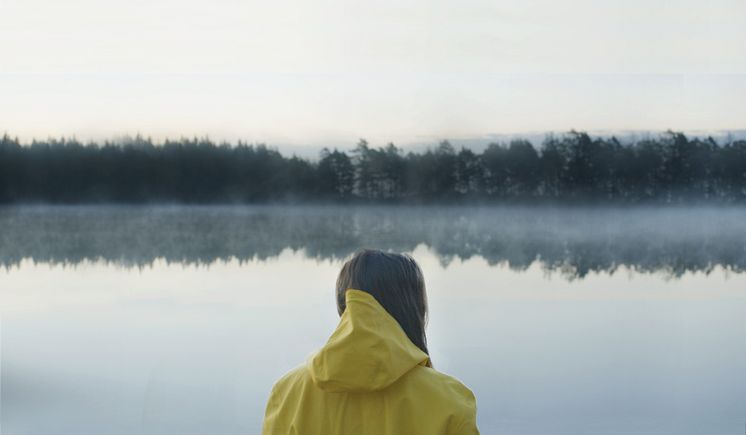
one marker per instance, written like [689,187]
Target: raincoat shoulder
[436,392]
[369,379]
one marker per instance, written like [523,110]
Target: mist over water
[571,240]
[562,320]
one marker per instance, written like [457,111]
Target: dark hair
[395,281]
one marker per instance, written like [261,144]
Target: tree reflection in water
[571,240]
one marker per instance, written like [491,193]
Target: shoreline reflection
[571,241]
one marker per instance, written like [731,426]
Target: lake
[562,320]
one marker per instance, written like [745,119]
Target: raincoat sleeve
[269,425]
[468,424]
[467,427]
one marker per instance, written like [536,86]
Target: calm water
[177,320]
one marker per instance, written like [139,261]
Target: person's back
[369,379]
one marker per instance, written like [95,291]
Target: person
[374,376]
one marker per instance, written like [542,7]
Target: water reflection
[573,241]
[186,349]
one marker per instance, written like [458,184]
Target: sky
[311,73]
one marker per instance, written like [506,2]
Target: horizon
[474,143]
[334,112]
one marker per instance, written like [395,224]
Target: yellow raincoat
[369,379]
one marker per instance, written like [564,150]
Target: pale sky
[323,72]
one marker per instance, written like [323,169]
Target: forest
[572,167]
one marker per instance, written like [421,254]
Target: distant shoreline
[572,169]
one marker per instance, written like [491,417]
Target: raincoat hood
[367,352]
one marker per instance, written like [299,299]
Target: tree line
[571,167]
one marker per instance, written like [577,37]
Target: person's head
[396,282]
